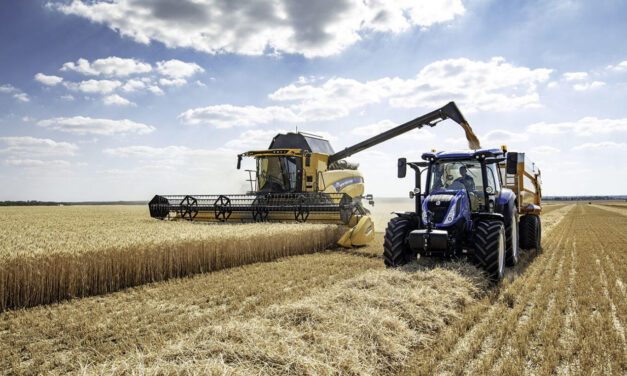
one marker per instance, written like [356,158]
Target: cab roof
[304,141]
[462,154]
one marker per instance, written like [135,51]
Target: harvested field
[325,313]
[565,314]
[49,254]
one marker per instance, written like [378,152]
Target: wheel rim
[501,253]
[514,234]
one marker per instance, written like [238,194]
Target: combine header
[299,178]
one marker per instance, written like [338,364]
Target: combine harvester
[300,178]
[482,204]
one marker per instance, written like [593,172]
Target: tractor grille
[438,205]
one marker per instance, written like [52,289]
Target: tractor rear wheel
[490,248]
[530,232]
[396,251]
[511,234]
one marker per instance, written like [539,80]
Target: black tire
[530,232]
[512,254]
[396,251]
[489,252]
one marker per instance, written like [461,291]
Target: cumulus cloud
[545,150]
[492,85]
[178,69]
[116,100]
[227,116]
[18,94]
[110,66]
[620,67]
[48,80]
[604,145]
[94,86]
[575,76]
[588,85]
[265,26]
[27,146]
[584,127]
[167,152]
[499,136]
[85,125]
[37,163]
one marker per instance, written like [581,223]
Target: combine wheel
[396,251]
[530,232]
[490,248]
[511,234]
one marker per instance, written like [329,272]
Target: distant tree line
[583,198]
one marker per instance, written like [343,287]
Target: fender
[506,203]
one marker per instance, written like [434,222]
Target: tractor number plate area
[299,207]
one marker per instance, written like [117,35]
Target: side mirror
[239,161]
[402,167]
[512,163]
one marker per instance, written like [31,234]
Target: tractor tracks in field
[565,314]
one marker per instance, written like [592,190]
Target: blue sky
[123,99]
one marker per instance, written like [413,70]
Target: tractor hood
[445,207]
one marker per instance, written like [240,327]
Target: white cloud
[545,150]
[17,93]
[588,85]
[31,146]
[604,145]
[584,127]
[499,137]
[133,85]
[168,152]
[493,85]
[116,100]
[37,163]
[22,97]
[254,139]
[67,97]
[264,26]
[173,82]
[85,125]
[94,86]
[178,69]
[620,67]
[112,66]
[48,80]
[575,76]
[227,116]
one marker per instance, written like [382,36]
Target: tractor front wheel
[490,248]
[396,251]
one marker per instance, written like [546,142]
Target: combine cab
[298,178]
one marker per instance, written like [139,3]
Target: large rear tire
[530,232]
[511,233]
[396,251]
[489,252]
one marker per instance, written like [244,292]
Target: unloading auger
[299,178]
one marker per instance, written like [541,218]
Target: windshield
[462,175]
[277,174]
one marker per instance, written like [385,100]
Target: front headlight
[424,215]
[450,216]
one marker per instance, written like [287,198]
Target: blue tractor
[466,211]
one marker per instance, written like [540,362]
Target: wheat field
[49,254]
[329,313]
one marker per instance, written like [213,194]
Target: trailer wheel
[490,248]
[396,251]
[511,234]
[530,232]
